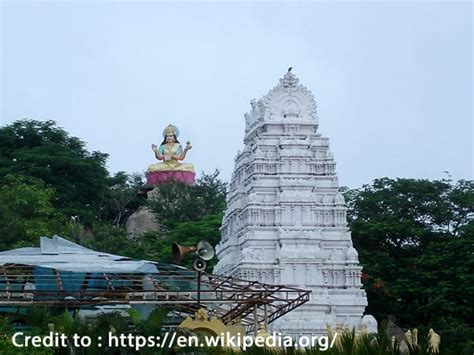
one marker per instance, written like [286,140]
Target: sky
[392,80]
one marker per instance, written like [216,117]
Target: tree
[416,243]
[27,212]
[190,214]
[175,202]
[45,151]
[188,233]
[121,199]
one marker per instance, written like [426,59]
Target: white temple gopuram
[285,221]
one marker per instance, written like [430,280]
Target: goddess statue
[171,153]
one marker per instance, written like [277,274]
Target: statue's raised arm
[170,152]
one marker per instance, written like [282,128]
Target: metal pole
[255,320]
[199,289]
[265,312]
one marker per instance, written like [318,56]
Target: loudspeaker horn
[199,264]
[205,251]
[180,251]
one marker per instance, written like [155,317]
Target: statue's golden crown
[171,129]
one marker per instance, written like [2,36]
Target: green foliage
[121,198]
[186,233]
[189,214]
[176,202]
[212,193]
[110,239]
[415,237]
[42,320]
[47,152]
[416,243]
[64,323]
[38,318]
[27,212]
[7,348]
[346,343]
[154,246]
[152,324]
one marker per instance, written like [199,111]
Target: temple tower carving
[285,221]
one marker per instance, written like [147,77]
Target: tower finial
[289,80]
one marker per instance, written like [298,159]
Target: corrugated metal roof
[61,254]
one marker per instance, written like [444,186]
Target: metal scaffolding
[227,298]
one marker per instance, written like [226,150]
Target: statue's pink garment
[158,177]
